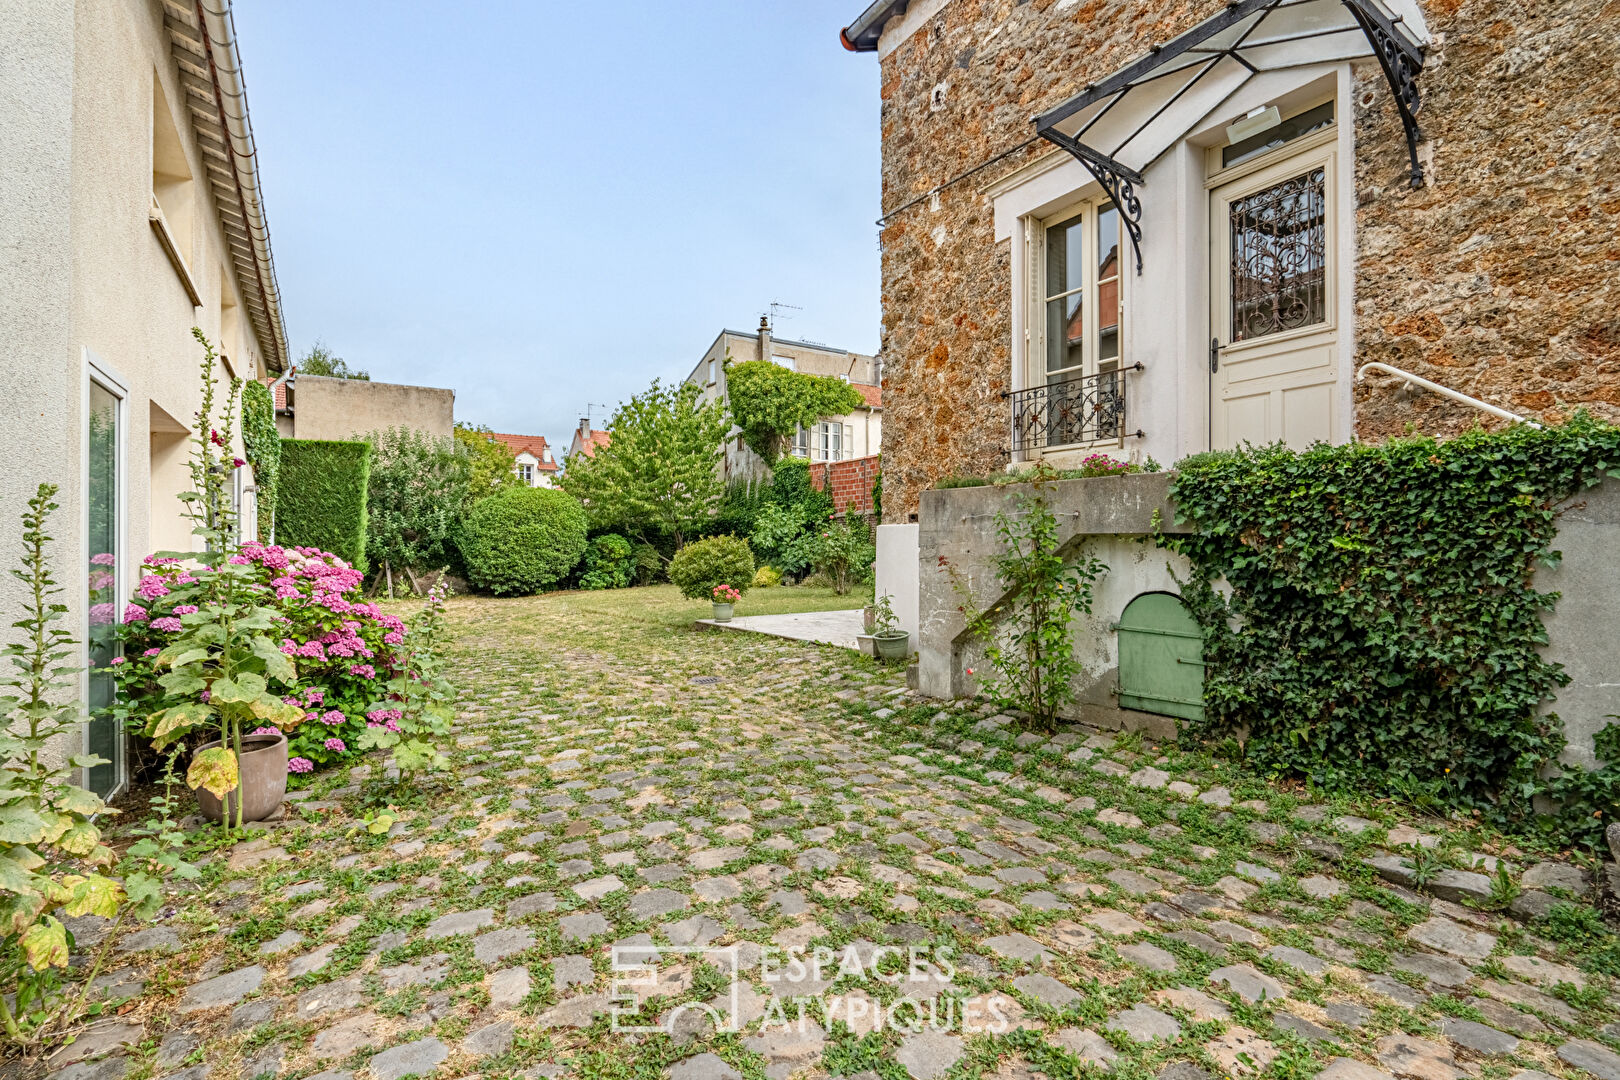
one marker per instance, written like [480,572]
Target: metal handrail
[1447,392]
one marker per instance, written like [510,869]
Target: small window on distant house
[525,473]
[801,443]
[827,442]
[785,361]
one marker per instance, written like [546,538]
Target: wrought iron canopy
[1116,128]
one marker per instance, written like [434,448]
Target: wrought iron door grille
[1090,408]
[1279,257]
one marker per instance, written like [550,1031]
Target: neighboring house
[835,438]
[1154,227]
[586,439]
[534,464]
[130,212]
[320,407]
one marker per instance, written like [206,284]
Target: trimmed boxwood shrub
[321,497]
[522,540]
[720,560]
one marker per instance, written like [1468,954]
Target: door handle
[1214,355]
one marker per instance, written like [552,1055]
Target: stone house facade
[1266,177]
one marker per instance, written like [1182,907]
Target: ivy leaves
[1378,620]
[770,402]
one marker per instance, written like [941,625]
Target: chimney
[584,429]
[764,338]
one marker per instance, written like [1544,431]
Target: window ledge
[165,235]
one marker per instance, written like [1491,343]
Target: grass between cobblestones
[618,778]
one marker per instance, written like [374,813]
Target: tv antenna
[589,416]
[777,307]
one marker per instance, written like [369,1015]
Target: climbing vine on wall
[263,446]
[1377,621]
[770,402]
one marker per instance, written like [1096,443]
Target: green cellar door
[1161,657]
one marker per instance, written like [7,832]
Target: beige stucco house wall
[113,245]
[861,431]
[325,408]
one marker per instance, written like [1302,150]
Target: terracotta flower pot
[263,786]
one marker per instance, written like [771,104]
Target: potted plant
[724,597]
[892,642]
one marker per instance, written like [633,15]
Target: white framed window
[1076,293]
[784,361]
[525,473]
[801,443]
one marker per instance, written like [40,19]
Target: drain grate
[704,680]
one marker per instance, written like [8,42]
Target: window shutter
[849,441]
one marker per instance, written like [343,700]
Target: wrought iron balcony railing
[1088,409]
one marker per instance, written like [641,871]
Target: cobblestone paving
[1076,904]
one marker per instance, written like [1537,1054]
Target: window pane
[1065,252]
[1290,129]
[1107,283]
[1065,333]
[102,542]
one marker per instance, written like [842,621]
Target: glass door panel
[103,496]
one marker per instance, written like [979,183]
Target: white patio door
[1272,290]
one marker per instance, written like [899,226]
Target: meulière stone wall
[1498,278]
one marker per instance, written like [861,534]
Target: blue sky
[540,209]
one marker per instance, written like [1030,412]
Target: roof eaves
[862,35]
[203,46]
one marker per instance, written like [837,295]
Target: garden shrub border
[322,497]
[262,444]
[1376,620]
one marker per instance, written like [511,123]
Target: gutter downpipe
[1446,392]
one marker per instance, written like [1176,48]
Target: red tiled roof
[534,444]
[278,390]
[598,438]
[873,394]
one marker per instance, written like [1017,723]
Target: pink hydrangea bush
[346,649]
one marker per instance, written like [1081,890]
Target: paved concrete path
[731,798]
[823,627]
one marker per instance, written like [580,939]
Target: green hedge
[263,446]
[322,498]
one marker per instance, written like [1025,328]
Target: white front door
[1272,290]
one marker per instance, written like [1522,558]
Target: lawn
[663,605]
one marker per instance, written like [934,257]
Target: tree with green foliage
[770,403]
[661,472]
[491,464]
[416,498]
[320,360]
[263,446]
